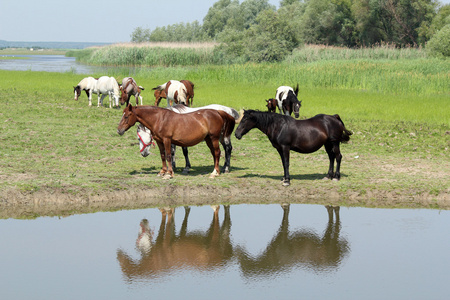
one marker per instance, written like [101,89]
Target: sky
[97,21]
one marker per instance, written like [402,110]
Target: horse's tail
[161,87]
[235,114]
[141,87]
[346,133]
[228,124]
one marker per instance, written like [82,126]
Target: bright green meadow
[398,112]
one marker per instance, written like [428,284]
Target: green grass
[52,142]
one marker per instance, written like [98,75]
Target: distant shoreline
[49,45]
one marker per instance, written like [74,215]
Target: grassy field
[400,147]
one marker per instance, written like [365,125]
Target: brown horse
[185,130]
[170,251]
[272,105]
[159,94]
[175,91]
[130,88]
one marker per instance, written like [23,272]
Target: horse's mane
[265,119]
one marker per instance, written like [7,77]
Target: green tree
[218,16]
[140,35]
[328,22]
[439,44]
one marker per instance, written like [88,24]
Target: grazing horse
[303,136]
[176,91]
[271,105]
[159,94]
[183,130]
[287,101]
[88,85]
[107,86]
[145,136]
[130,88]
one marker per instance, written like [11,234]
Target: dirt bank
[16,204]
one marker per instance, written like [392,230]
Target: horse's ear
[130,107]
[296,90]
[267,101]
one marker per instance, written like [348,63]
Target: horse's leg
[215,151]
[167,145]
[173,148]
[162,152]
[109,94]
[338,155]
[284,152]
[90,97]
[226,143]
[331,156]
[186,158]
[100,99]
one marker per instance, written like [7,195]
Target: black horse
[303,136]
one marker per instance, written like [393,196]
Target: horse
[177,91]
[294,248]
[271,105]
[171,248]
[185,130]
[88,85]
[159,94]
[107,86]
[130,88]
[287,101]
[303,136]
[145,136]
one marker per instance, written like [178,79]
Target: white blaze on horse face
[145,138]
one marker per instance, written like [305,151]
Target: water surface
[46,63]
[242,252]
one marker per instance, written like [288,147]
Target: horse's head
[123,97]
[247,122]
[293,103]
[77,91]
[128,119]
[145,139]
[272,105]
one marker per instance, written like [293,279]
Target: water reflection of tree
[213,249]
[303,248]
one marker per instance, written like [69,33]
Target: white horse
[107,86]
[88,85]
[145,138]
[175,91]
[281,95]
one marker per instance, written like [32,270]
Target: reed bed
[313,53]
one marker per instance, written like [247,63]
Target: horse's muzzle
[238,135]
[120,131]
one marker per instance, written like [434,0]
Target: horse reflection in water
[303,248]
[172,252]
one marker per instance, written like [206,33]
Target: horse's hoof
[335,179]
[286,183]
[214,174]
[161,174]
[167,176]
[185,171]
[326,178]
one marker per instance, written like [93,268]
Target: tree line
[255,30]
